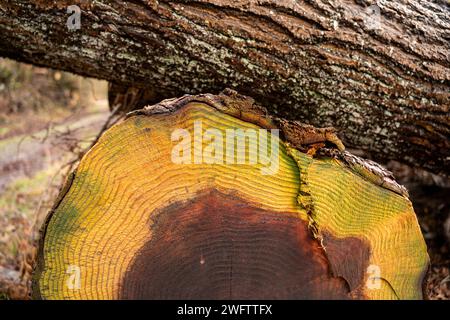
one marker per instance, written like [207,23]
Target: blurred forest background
[47,120]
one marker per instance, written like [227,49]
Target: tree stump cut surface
[132,223]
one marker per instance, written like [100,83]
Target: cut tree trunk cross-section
[166,206]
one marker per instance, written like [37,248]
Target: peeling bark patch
[221,247]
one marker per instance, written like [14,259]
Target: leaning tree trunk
[383,80]
[207,197]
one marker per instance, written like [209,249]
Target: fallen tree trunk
[383,81]
[203,197]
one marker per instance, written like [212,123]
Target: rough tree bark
[383,83]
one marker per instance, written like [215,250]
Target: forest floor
[35,156]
